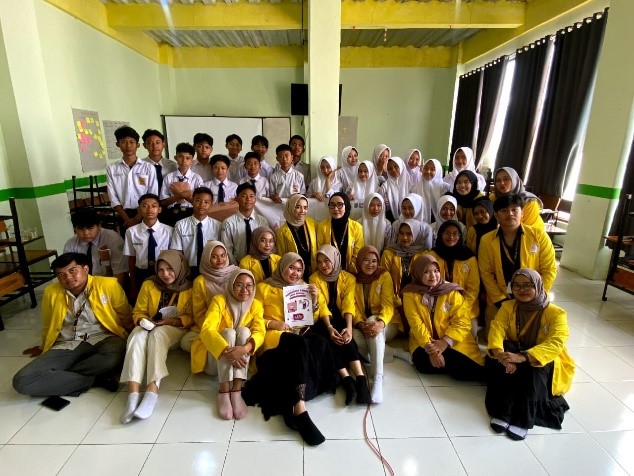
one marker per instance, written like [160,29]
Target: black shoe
[310,433]
[107,382]
[363,391]
[350,387]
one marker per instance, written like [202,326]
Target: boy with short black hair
[260,144]
[285,181]
[176,194]
[191,234]
[238,228]
[298,147]
[144,242]
[129,178]
[102,247]
[154,143]
[204,145]
[233,143]
[224,190]
[253,176]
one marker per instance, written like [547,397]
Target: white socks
[133,401]
[516,433]
[377,389]
[145,409]
[402,354]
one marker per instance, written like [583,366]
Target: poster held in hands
[298,306]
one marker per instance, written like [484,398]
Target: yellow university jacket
[219,318]
[530,213]
[381,297]
[201,301]
[107,300]
[284,241]
[252,264]
[355,241]
[393,263]
[272,299]
[466,275]
[551,341]
[451,319]
[536,252]
[147,304]
[345,292]
[465,215]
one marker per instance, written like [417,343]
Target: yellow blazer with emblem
[551,341]
[219,318]
[147,304]
[465,215]
[345,292]
[450,319]
[252,264]
[465,275]
[355,241]
[272,299]
[107,300]
[201,300]
[381,298]
[536,252]
[284,241]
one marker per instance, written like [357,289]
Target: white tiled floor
[427,425]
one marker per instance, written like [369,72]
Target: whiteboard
[183,128]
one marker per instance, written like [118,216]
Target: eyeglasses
[336,205]
[242,287]
[522,286]
[451,235]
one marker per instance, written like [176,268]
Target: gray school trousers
[70,372]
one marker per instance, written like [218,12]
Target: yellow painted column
[607,145]
[324,37]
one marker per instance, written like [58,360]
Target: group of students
[432,258]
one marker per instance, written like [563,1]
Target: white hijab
[348,171]
[396,188]
[450,178]
[319,183]
[415,173]
[419,210]
[374,228]
[432,190]
[361,189]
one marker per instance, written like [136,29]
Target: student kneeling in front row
[84,320]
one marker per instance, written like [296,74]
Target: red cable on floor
[371,445]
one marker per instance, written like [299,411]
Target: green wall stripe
[597,191]
[47,190]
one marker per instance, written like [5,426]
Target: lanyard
[76,315]
[527,326]
[515,248]
[432,311]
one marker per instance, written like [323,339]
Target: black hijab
[479,228]
[340,227]
[466,201]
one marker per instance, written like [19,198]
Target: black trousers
[457,365]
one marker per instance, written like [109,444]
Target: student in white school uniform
[252,166]
[224,190]
[176,194]
[298,147]
[395,188]
[431,188]
[260,144]
[237,229]
[285,181]
[412,164]
[233,144]
[189,237]
[144,242]
[463,159]
[104,248]
[154,143]
[327,181]
[204,145]
[347,174]
[129,178]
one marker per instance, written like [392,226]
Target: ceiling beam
[390,14]
[538,12]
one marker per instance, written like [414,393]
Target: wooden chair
[551,202]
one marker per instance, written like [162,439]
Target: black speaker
[299,99]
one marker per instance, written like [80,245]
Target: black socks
[310,433]
[363,391]
[350,387]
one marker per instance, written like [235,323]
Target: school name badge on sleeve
[534,248]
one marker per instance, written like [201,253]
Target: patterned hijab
[177,261]
[289,210]
[277,277]
[334,257]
